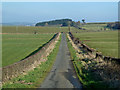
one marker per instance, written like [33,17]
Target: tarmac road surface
[62,74]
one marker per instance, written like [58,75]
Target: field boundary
[31,61]
[93,72]
[92,51]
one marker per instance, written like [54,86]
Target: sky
[60,0]
[33,12]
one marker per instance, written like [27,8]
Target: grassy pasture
[30,29]
[19,41]
[17,46]
[105,42]
[95,27]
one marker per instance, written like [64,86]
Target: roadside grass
[88,79]
[16,47]
[105,41]
[34,78]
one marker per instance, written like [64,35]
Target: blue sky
[44,11]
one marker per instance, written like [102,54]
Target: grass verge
[34,78]
[88,79]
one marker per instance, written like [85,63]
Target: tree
[46,24]
[83,20]
[73,23]
[64,24]
[78,23]
[55,22]
[69,23]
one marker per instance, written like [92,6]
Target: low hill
[60,22]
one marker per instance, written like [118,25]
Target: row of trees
[115,25]
[61,22]
[54,22]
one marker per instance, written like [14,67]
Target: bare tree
[69,25]
[46,24]
[78,23]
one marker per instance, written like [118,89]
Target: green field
[19,41]
[105,41]
[95,27]
[17,46]
[30,29]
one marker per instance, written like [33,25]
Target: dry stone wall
[92,52]
[30,62]
[96,67]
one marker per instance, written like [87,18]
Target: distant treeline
[60,22]
[69,22]
[115,25]
[100,23]
[111,25]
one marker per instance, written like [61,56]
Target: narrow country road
[62,74]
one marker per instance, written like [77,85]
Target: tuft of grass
[34,78]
